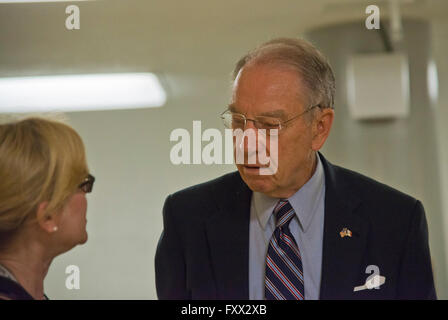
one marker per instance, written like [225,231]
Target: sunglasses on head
[87,185]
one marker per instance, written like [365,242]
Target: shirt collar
[304,201]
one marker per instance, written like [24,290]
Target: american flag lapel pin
[345,233]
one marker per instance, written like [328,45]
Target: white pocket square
[371,283]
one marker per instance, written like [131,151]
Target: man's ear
[47,221]
[321,127]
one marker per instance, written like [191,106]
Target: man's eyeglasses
[87,185]
[233,120]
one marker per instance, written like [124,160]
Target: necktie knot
[284,213]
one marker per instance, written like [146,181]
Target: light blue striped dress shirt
[306,227]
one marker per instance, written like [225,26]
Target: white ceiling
[202,37]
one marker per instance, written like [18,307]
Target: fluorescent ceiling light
[81,92]
[433,82]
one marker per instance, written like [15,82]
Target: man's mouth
[253,169]
[252,166]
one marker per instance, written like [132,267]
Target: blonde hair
[40,160]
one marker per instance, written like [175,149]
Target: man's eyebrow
[275,113]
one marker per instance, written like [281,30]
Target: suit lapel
[342,256]
[228,236]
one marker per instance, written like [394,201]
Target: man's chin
[256,182]
[84,238]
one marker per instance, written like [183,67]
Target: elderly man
[311,230]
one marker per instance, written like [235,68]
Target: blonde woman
[44,179]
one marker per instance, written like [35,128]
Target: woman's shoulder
[11,290]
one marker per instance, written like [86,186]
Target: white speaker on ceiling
[378,86]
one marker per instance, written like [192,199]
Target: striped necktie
[284,272]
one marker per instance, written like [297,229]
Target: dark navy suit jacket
[203,252]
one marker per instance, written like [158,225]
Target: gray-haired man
[311,230]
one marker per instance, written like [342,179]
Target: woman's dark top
[12,290]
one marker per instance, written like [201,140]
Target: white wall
[439,32]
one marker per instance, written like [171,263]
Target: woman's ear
[48,222]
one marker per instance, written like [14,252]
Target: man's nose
[251,140]
[250,124]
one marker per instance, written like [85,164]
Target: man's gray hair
[313,68]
